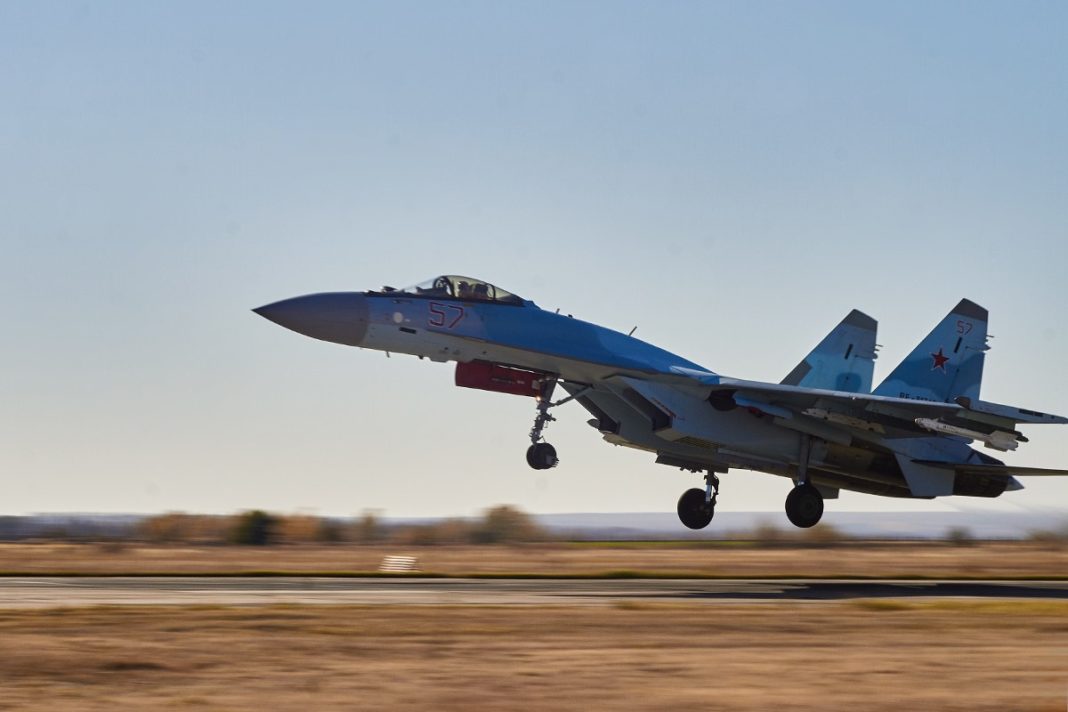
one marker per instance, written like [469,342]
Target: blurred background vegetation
[499,525]
[503,524]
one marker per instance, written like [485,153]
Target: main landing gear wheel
[542,456]
[694,511]
[804,506]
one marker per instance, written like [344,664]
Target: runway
[47,592]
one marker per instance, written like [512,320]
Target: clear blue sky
[730,177]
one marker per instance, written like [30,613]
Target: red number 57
[447,315]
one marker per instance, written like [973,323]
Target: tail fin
[948,363]
[843,361]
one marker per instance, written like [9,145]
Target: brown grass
[930,559]
[881,655]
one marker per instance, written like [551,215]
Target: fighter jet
[822,426]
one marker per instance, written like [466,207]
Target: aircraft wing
[993,424]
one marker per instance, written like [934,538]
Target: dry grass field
[858,655]
[883,654]
[738,559]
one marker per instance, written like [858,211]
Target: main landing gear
[804,504]
[696,506]
[541,455]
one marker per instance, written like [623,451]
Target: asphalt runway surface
[47,592]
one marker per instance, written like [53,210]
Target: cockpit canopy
[458,287]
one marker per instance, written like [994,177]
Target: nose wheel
[542,456]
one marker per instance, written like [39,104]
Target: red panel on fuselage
[487,376]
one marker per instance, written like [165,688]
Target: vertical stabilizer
[843,361]
[948,363]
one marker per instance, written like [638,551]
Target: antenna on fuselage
[631,332]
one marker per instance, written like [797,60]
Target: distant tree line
[498,525]
[502,524]
[259,528]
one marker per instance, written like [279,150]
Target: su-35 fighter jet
[822,426]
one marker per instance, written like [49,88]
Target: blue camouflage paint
[527,327]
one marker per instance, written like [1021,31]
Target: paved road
[40,592]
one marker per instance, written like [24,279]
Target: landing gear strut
[696,506]
[804,504]
[541,455]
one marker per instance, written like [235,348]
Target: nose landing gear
[541,455]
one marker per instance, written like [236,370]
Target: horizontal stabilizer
[1008,413]
[998,470]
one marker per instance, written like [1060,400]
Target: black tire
[694,512]
[804,506]
[542,456]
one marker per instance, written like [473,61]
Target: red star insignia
[940,360]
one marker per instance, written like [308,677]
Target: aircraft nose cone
[339,317]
